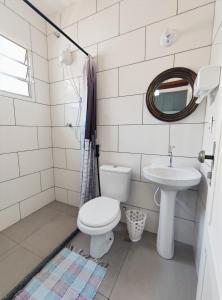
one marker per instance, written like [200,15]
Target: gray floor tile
[23,229]
[145,275]
[5,244]
[44,240]
[63,208]
[14,265]
[100,297]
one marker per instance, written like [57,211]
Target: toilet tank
[115,182]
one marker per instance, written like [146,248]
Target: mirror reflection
[173,95]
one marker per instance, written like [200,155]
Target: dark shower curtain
[88,133]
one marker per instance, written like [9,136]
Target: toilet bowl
[99,216]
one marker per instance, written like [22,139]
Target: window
[14,68]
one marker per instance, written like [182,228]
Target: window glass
[14,68]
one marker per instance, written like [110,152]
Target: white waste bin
[135,220]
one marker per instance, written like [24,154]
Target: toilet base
[100,244]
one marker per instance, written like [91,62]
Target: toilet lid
[99,212]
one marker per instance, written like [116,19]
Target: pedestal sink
[170,180]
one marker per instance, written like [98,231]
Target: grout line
[138,62]
[21,176]
[18,15]
[33,195]
[19,167]
[118,273]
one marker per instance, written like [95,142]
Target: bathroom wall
[123,36]
[212,124]
[26,173]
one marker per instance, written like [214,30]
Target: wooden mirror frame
[185,74]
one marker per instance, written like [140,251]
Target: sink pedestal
[165,236]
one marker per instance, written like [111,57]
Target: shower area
[41,83]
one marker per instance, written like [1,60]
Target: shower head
[66,57]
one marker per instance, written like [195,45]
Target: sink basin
[170,181]
[176,179]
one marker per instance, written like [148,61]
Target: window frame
[29,75]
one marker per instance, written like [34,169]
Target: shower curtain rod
[55,26]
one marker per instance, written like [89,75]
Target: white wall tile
[19,189]
[190,4]
[40,66]
[58,44]
[58,115]
[47,179]
[39,42]
[55,70]
[27,13]
[34,203]
[184,231]
[74,198]
[45,137]
[193,59]
[6,111]
[63,92]
[42,92]
[121,110]
[107,84]
[8,166]
[187,139]
[55,45]
[55,18]
[145,12]
[122,159]
[218,37]
[9,216]
[135,79]
[14,28]
[193,31]
[73,159]
[186,162]
[150,139]
[99,27]
[101,4]
[61,195]
[32,114]
[17,139]
[67,179]
[72,113]
[141,195]
[59,158]
[77,11]
[64,137]
[34,161]
[186,205]
[108,137]
[122,50]
[217,17]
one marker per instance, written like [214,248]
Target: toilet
[100,215]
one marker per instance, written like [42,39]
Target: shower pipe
[55,26]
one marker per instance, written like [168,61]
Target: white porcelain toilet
[100,215]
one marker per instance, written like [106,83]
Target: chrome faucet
[170,152]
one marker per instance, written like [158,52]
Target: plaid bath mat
[68,276]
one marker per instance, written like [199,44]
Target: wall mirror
[170,95]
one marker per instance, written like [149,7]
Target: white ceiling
[50,7]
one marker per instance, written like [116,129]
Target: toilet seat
[99,212]
[99,216]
